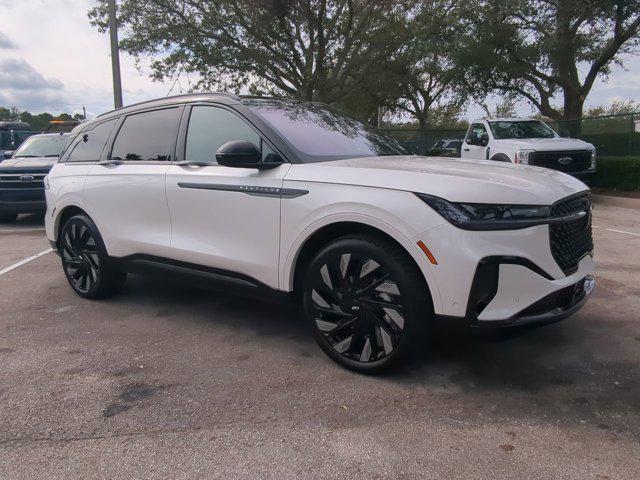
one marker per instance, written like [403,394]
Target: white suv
[528,141]
[296,197]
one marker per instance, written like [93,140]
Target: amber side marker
[427,252]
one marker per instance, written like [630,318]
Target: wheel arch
[65,214]
[325,233]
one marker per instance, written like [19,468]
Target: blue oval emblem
[565,160]
[26,178]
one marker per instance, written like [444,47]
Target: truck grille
[22,186]
[564,161]
[571,241]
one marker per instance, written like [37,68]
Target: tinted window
[147,136]
[87,147]
[319,133]
[42,146]
[476,131]
[210,128]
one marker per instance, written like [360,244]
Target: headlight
[45,180]
[488,216]
[593,159]
[522,156]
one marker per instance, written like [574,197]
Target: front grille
[21,180]
[580,160]
[571,240]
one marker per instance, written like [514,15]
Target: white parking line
[26,260]
[617,231]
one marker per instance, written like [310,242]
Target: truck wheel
[501,157]
[89,270]
[367,302]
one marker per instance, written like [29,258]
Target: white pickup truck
[529,141]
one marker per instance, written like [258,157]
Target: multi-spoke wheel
[366,301]
[86,265]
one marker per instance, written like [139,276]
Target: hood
[449,178]
[542,144]
[38,163]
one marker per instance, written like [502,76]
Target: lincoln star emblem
[565,160]
[26,178]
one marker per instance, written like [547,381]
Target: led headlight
[488,216]
[593,159]
[522,156]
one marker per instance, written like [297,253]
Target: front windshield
[318,133]
[41,146]
[520,129]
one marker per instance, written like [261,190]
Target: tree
[427,69]
[538,49]
[617,107]
[319,50]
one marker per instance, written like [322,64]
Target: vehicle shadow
[561,372]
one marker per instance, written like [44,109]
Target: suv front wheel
[88,268]
[367,302]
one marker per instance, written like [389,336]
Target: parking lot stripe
[26,260]
[22,230]
[617,231]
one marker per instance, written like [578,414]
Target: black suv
[22,176]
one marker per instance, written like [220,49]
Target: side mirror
[243,154]
[6,155]
[483,140]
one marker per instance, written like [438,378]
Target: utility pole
[84,113]
[115,55]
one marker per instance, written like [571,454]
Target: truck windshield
[41,146]
[318,133]
[520,129]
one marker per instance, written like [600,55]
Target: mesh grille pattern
[570,241]
[580,160]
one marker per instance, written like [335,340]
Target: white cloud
[6,43]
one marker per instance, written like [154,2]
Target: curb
[623,202]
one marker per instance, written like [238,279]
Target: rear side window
[148,136]
[212,127]
[87,147]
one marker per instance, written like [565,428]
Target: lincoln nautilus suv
[376,244]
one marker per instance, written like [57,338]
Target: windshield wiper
[52,155]
[25,156]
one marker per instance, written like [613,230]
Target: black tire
[8,217]
[89,270]
[367,302]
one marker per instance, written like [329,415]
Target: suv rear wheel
[88,268]
[367,302]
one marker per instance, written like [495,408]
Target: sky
[52,59]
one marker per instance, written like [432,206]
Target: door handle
[196,163]
[110,163]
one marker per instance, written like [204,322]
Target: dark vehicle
[12,134]
[22,176]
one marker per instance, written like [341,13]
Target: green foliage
[39,121]
[617,173]
[534,48]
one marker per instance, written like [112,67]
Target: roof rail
[194,94]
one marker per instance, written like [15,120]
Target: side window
[476,131]
[148,136]
[88,145]
[212,127]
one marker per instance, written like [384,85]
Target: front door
[224,217]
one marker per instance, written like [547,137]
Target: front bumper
[23,200]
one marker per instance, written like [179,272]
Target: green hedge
[617,173]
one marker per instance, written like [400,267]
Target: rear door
[125,192]
[224,217]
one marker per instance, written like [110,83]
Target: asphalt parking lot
[171,381]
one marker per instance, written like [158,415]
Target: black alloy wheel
[86,265]
[361,297]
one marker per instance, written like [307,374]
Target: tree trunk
[572,115]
